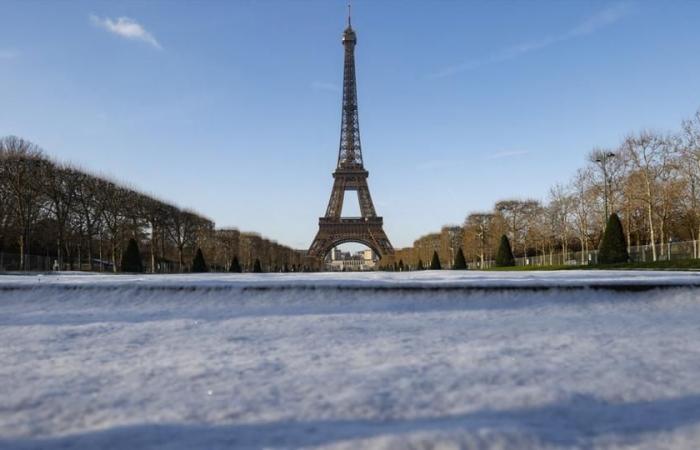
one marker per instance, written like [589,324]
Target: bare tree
[5,206]
[155,215]
[690,165]
[451,237]
[24,166]
[518,215]
[650,157]
[182,227]
[113,201]
[61,188]
[584,206]
[229,240]
[561,209]
[88,210]
[479,227]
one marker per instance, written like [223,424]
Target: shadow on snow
[581,420]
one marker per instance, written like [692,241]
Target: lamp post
[601,158]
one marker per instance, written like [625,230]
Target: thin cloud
[602,19]
[434,164]
[8,54]
[324,86]
[126,28]
[507,154]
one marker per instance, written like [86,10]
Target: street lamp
[602,157]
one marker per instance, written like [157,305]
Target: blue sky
[233,108]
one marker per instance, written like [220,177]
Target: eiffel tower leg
[367,231]
[335,204]
[319,244]
[365,200]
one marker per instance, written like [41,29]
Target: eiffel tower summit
[350,175]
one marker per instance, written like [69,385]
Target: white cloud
[324,86]
[603,18]
[507,154]
[8,54]
[126,28]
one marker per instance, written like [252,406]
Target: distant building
[339,261]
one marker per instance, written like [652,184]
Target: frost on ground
[100,362]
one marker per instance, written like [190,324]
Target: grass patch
[681,264]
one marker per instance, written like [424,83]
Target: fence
[10,261]
[642,253]
[37,263]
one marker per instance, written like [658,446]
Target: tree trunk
[22,256]
[114,257]
[89,251]
[153,249]
[650,218]
[162,250]
[59,253]
[629,226]
[652,236]
[662,238]
[68,255]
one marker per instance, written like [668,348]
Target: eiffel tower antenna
[349,14]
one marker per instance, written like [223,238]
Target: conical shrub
[504,256]
[435,263]
[131,258]
[198,264]
[419,266]
[235,266]
[613,248]
[460,263]
[257,267]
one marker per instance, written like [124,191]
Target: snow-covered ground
[428,278]
[101,361]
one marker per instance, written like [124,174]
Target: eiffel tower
[350,175]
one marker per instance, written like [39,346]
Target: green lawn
[681,264]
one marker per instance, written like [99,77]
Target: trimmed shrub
[504,256]
[435,263]
[613,248]
[257,267]
[420,265]
[459,263]
[198,264]
[131,258]
[235,266]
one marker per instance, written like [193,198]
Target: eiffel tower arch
[350,175]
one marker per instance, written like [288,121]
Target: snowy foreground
[206,362]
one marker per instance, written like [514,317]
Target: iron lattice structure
[350,175]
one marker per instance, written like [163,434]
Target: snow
[204,361]
[419,279]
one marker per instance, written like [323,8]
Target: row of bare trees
[651,180]
[83,221]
